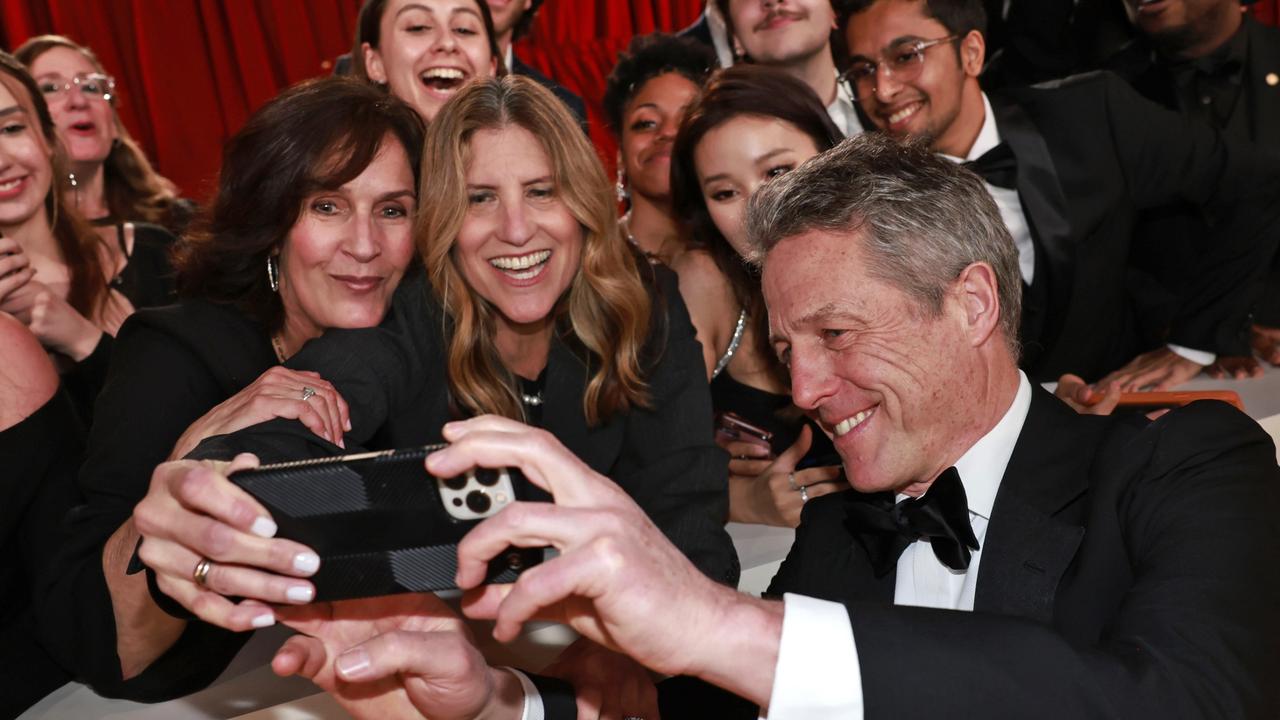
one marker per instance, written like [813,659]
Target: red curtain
[191,71]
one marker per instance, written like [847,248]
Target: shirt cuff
[532,698]
[1199,357]
[817,676]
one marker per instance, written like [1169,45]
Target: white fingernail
[264,620]
[300,593]
[306,562]
[263,527]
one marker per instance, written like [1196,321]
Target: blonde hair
[604,315]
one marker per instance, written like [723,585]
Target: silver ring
[307,392]
[791,480]
[201,573]
[804,493]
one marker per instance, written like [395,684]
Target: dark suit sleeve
[1167,157]
[372,368]
[670,463]
[1195,635]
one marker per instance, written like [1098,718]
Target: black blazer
[1127,572]
[574,103]
[1092,154]
[1258,105]
[393,380]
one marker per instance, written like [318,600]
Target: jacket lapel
[1030,542]
[562,413]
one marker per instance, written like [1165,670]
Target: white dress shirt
[1016,220]
[719,34]
[817,676]
[842,110]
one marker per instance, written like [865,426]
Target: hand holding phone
[381,523]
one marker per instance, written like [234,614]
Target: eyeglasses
[902,61]
[94,85]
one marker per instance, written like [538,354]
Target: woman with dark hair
[311,229]
[71,287]
[111,180]
[645,96]
[531,308]
[751,124]
[424,51]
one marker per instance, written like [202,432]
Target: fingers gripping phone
[381,523]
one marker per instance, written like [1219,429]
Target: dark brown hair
[959,17]
[750,90]
[132,188]
[369,30]
[316,135]
[647,57]
[79,245]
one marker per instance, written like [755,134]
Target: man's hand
[399,656]
[617,580]
[607,685]
[1157,370]
[1086,399]
[1228,367]
[1266,343]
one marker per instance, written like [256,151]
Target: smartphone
[381,523]
[736,427]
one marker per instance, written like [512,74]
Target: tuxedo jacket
[1092,155]
[572,101]
[1259,109]
[1128,571]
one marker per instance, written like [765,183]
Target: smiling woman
[424,51]
[311,229]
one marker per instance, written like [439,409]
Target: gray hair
[923,218]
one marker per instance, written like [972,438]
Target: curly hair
[79,245]
[318,134]
[605,313]
[133,189]
[742,90]
[647,57]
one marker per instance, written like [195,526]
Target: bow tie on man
[997,167]
[941,516]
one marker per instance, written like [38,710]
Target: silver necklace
[533,400]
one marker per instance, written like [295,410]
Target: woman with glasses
[71,286]
[111,179]
[750,124]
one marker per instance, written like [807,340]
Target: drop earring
[620,186]
[273,274]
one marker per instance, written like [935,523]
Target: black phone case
[376,520]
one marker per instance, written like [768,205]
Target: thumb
[792,455]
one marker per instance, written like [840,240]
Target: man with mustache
[794,36]
[1071,166]
[1037,562]
[1210,61]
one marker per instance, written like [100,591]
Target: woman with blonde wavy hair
[531,307]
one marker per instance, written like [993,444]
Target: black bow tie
[997,166]
[941,515]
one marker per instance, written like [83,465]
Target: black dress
[145,281]
[773,412]
[39,457]
[171,365]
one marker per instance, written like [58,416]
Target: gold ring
[201,574]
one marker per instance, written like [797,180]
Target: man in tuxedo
[1208,60]
[795,37]
[1114,567]
[711,30]
[1072,165]
[511,21]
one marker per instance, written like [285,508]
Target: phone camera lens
[456,483]
[478,502]
[487,476]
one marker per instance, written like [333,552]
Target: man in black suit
[711,30]
[1074,164]
[512,20]
[1209,60]
[1115,567]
